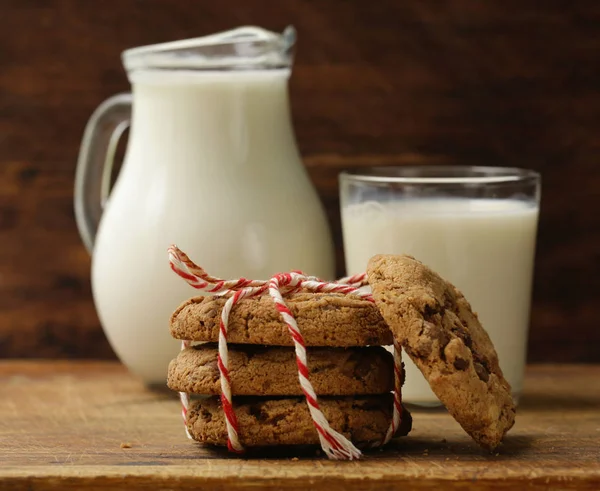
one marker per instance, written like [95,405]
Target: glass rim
[448,174]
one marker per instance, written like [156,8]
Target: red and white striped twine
[334,444]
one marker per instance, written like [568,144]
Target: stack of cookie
[349,370]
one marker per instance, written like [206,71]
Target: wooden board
[63,425]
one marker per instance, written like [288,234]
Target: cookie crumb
[295,459]
[125,445]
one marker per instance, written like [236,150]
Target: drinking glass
[475,226]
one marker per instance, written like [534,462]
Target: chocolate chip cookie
[272,370]
[325,319]
[287,421]
[436,326]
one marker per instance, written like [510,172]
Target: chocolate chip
[482,372]
[429,333]
[461,364]
[468,341]
[429,311]
[205,415]
[256,412]
[460,331]
[275,419]
[253,350]
[264,415]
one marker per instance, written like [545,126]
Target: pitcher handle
[94,165]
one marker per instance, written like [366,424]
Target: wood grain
[501,83]
[67,425]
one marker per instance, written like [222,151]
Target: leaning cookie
[435,325]
[272,370]
[325,319]
[287,421]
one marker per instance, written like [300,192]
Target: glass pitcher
[211,165]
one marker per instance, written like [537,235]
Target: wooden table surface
[67,425]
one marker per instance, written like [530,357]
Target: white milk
[485,247]
[211,166]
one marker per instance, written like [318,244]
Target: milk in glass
[485,247]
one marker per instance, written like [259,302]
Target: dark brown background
[388,82]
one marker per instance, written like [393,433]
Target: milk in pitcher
[212,166]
